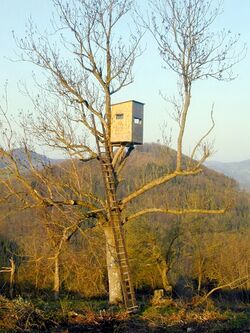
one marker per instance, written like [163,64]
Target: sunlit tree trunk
[163,270]
[115,291]
[56,277]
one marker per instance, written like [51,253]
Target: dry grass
[20,315]
[167,316]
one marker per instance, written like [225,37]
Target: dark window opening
[119,116]
[137,120]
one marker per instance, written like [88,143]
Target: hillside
[186,252]
[240,171]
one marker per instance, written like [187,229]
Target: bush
[22,315]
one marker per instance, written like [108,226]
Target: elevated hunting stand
[127,123]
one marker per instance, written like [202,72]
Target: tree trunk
[163,269]
[115,290]
[200,273]
[56,278]
[12,277]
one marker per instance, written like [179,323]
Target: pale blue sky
[232,100]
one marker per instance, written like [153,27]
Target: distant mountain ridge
[240,171]
[24,159]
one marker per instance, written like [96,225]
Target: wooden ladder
[116,225]
[118,232]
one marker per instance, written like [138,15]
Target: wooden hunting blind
[127,123]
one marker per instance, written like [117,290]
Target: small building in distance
[127,123]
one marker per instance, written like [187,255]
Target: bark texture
[115,290]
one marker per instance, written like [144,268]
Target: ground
[170,316]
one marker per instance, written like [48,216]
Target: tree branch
[189,211]
[156,182]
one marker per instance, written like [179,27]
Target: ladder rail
[116,224]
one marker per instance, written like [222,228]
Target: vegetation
[192,254]
[79,316]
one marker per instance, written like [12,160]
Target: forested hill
[208,190]
[154,159]
[156,241]
[151,158]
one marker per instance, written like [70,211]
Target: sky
[231,136]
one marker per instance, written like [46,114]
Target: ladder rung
[121,254]
[128,291]
[124,259]
[132,308]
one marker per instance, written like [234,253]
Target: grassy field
[95,316]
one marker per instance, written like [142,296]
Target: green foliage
[237,321]
[156,311]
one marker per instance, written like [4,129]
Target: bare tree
[93,64]
[193,51]
[100,66]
